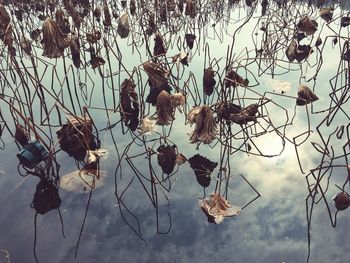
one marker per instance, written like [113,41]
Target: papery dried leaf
[129,104]
[341,201]
[305,96]
[148,125]
[26,46]
[159,47]
[75,136]
[345,21]
[93,37]
[190,38]
[180,159]
[206,128]
[246,115]
[217,207]
[326,14]
[233,79]
[107,22]
[307,25]
[318,42]
[164,108]
[193,113]
[123,26]
[54,42]
[292,50]
[303,52]
[92,156]
[21,135]
[225,109]
[208,81]
[158,80]
[177,99]
[182,57]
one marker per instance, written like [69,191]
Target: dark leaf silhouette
[305,96]
[167,158]
[202,168]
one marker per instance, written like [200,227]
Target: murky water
[159,191]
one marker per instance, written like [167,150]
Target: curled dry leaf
[206,128]
[182,57]
[180,159]
[202,168]
[234,80]
[292,50]
[167,158]
[178,100]
[129,104]
[191,9]
[326,14]
[307,25]
[54,42]
[165,110]
[123,26]
[305,96]
[193,113]
[190,38]
[148,125]
[245,115]
[159,47]
[341,201]
[208,81]
[225,108]
[21,135]
[75,135]
[217,208]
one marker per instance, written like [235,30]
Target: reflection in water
[131,77]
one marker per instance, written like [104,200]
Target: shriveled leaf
[305,96]
[148,125]
[217,208]
[341,201]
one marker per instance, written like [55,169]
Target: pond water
[277,155]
